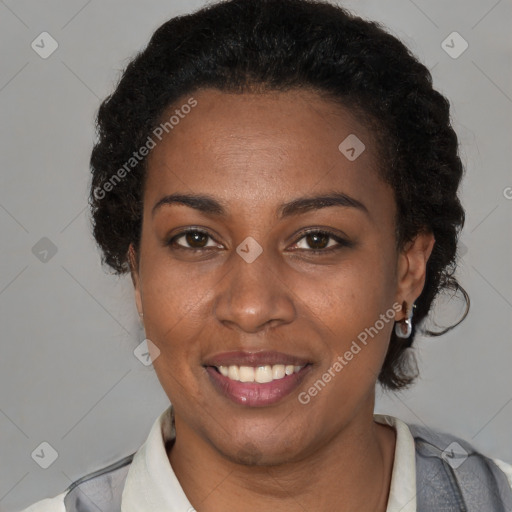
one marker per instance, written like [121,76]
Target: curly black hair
[278,45]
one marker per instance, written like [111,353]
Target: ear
[134,272]
[411,269]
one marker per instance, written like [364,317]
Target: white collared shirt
[152,486]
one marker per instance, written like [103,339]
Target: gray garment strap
[452,476]
[477,484]
[100,491]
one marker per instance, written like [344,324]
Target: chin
[260,452]
[249,455]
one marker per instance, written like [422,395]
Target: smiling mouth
[256,379]
[260,374]
[257,386]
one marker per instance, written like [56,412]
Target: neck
[352,471]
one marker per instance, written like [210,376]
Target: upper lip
[243,358]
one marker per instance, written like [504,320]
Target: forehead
[262,146]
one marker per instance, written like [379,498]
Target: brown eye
[320,242]
[317,240]
[194,240]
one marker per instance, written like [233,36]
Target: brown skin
[254,152]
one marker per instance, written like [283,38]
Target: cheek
[353,307]
[354,294]
[176,325]
[173,292]
[177,299]
[174,316]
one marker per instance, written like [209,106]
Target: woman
[280,179]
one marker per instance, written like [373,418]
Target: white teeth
[246,374]
[263,374]
[233,372]
[278,371]
[260,374]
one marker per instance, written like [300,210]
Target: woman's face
[245,288]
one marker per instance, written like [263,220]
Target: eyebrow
[211,206]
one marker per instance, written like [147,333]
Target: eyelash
[341,241]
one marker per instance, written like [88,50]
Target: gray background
[68,375]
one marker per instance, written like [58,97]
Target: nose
[254,295]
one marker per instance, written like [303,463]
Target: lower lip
[254,394]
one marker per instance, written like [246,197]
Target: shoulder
[450,469]
[506,468]
[48,505]
[454,450]
[99,490]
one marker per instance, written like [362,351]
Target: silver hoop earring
[403,329]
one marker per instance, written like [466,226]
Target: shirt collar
[152,486]
[402,491]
